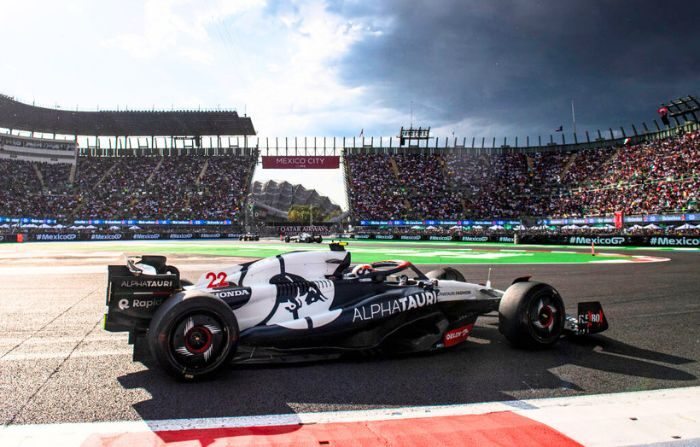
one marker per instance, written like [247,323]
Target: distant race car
[250,237]
[304,238]
[310,305]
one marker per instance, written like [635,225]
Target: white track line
[645,417]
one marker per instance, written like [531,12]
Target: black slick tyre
[193,335]
[447,273]
[531,315]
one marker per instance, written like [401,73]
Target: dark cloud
[518,64]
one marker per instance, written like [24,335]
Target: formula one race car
[309,305]
[306,238]
[250,237]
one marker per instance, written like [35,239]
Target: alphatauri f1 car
[314,304]
[306,238]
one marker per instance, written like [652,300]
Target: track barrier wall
[114,236]
[560,239]
[536,239]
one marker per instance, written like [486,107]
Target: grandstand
[652,177]
[183,167]
[155,166]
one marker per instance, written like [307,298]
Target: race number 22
[216,280]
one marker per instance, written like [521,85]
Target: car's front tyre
[192,335]
[531,315]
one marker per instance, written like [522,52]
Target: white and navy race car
[306,238]
[308,305]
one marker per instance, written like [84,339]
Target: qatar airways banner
[301,162]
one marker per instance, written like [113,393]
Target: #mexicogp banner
[301,162]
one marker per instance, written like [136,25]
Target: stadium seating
[648,178]
[656,177]
[176,187]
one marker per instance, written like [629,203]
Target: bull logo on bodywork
[295,293]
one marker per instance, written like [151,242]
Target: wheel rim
[545,317]
[197,340]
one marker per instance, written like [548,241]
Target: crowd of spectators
[175,187]
[400,186]
[374,191]
[649,178]
[656,177]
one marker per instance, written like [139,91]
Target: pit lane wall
[548,239]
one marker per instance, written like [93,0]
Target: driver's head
[362,270]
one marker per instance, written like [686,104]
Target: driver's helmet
[362,270]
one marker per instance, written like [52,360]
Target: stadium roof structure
[17,115]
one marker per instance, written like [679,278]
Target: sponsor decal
[298,298]
[457,336]
[440,238]
[56,237]
[292,303]
[505,239]
[146,236]
[362,236]
[384,236]
[149,283]
[106,237]
[394,306]
[146,304]
[410,238]
[181,235]
[302,229]
[139,304]
[456,293]
[232,293]
[210,236]
[613,240]
[675,241]
[301,162]
[475,238]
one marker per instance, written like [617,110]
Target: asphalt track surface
[58,365]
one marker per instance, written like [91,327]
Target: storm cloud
[515,66]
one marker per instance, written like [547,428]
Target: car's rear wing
[135,290]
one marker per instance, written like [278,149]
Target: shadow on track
[487,369]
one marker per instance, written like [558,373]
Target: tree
[301,213]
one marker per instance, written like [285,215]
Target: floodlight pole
[573,115]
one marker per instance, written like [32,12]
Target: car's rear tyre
[192,335]
[531,315]
[446,273]
[287,239]
[318,239]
